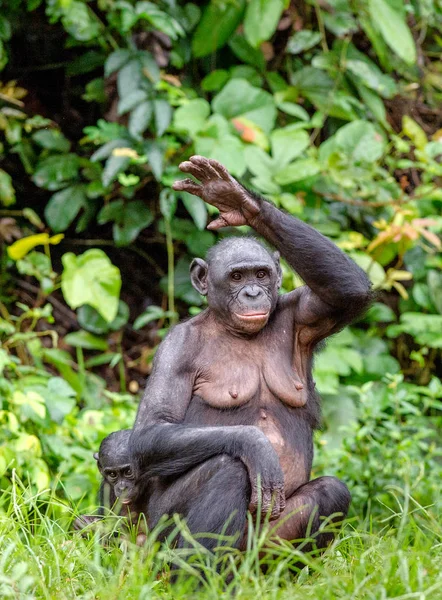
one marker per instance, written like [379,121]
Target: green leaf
[288,143]
[297,171]
[80,22]
[217,24]
[168,202]
[360,141]
[114,166]
[246,53]
[191,117]
[152,313]
[55,172]
[91,320]
[373,269]
[106,149]
[7,192]
[414,132]
[240,99]
[140,118]
[136,217]
[60,398]
[91,279]
[130,101]
[163,116]
[64,206]
[196,208]
[434,279]
[222,146]
[215,80]
[393,27]
[86,340]
[261,20]
[303,40]
[52,139]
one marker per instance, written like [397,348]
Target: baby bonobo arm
[161,445]
[336,290]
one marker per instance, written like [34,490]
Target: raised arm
[161,445]
[336,288]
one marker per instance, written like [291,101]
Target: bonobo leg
[322,497]
[212,498]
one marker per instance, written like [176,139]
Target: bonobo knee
[335,495]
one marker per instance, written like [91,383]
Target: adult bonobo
[231,399]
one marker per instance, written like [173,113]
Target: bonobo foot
[309,505]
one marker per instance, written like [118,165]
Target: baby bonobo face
[114,464]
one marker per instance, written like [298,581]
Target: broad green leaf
[152,313]
[129,78]
[300,169]
[288,143]
[114,166]
[163,116]
[303,40]
[60,398]
[240,99]
[259,162]
[64,206]
[293,110]
[136,216]
[91,278]
[140,118]
[7,192]
[261,20]
[91,320]
[168,203]
[80,21]
[227,149]
[393,27]
[106,149]
[191,117]
[414,132]
[86,340]
[215,80]
[52,139]
[245,52]
[374,270]
[196,208]
[130,101]
[55,172]
[434,279]
[360,141]
[217,24]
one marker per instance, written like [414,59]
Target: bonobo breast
[231,371]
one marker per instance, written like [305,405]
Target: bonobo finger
[220,169]
[217,224]
[187,185]
[205,165]
[190,167]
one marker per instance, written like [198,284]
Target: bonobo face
[114,464]
[241,282]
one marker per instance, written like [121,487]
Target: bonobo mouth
[252,316]
[125,501]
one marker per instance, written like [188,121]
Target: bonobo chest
[232,371]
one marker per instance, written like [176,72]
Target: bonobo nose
[252,291]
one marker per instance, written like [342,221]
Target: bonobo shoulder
[179,342]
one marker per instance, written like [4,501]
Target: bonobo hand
[220,189]
[266,480]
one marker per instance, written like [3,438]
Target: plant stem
[170,270]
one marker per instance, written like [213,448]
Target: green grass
[395,556]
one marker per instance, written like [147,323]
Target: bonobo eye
[112,475]
[128,472]
[261,274]
[236,276]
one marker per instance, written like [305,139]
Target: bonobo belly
[287,429]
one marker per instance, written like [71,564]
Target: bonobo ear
[198,275]
[96,456]
[276,257]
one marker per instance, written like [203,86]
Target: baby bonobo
[119,489]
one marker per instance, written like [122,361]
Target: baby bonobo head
[241,279]
[113,461]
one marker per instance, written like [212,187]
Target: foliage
[329,109]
